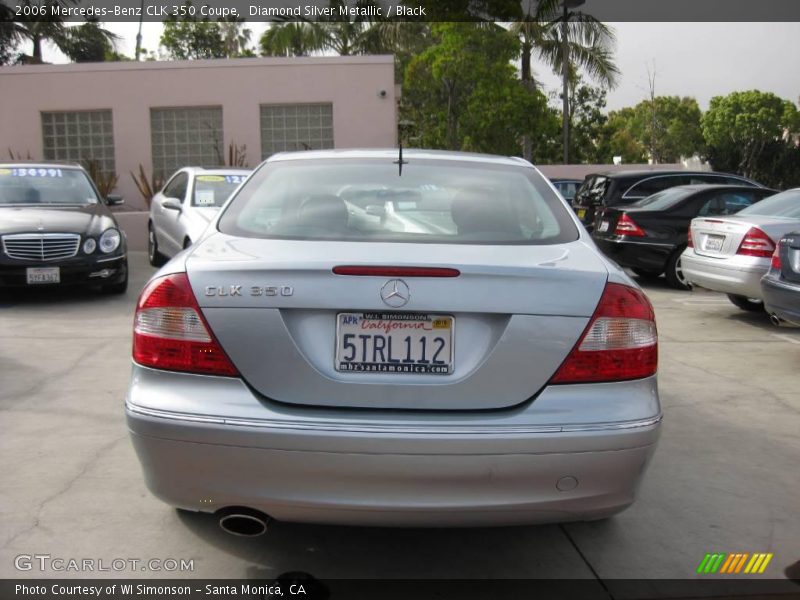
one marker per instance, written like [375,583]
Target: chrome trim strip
[363,428]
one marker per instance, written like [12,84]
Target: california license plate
[396,343]
[37,275]
[714,243]
[603,226]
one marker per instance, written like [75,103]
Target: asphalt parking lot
[724,478]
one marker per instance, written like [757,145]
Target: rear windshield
[594,187]
[214,189]
[786,205]
[44,185]
[369,200]
[662,200]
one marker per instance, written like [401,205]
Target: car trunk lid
[517,311]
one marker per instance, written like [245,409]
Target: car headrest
[323,210]
[476,211]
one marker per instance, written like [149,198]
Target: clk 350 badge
[255,290]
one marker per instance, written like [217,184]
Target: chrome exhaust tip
[244,522]
[775,320]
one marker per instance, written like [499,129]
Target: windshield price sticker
[235,178]
[32,172]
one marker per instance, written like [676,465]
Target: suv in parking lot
[622,188]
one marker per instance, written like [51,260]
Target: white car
[731,254]
[182,210]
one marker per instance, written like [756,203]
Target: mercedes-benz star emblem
[395,293]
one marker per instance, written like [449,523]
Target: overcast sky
[690,59]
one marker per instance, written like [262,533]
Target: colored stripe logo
[735,563]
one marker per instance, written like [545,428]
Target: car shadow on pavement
[54,297]
[341,552]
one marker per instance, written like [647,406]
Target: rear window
[662,200]
[368,200]
[214,189]
[594,187]
[786,205]
[45,185]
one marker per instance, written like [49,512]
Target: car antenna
[400,162]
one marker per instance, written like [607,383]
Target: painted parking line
[786,338]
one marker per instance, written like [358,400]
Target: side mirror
[172,204]
[114,200]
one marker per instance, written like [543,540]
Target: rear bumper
[532,464]
[740,276]
[637,255]
[782,299]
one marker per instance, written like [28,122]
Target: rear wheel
[674,272]
[153,255]
[647,275]
[749,304]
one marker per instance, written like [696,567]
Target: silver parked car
[731,254]
[477,362]
[181,211]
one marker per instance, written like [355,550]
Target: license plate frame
[42,275]
[406,358]
[713,243]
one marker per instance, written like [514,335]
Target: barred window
[188,136]
[83,136]
[287,127]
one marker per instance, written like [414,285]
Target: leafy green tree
[663,130]
[89,42]
[669,127]
[587,118]
[750,132]
[462,92]
[616,138]
[190,37]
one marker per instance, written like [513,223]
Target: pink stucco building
[165,115]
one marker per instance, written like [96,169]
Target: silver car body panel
[724,270]
[209,442]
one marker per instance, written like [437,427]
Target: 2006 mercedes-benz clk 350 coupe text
[384,338]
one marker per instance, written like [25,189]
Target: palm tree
[235,38]
[590,45]
[291,38]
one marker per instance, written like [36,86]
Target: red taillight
[619,343]
[379,271]
[626,226]
[775,263]
[169,331]
[689,240]
[756,243]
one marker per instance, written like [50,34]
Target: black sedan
[650,235]
[55,229]
[781,285]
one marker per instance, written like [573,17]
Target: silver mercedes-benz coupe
[378,337]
